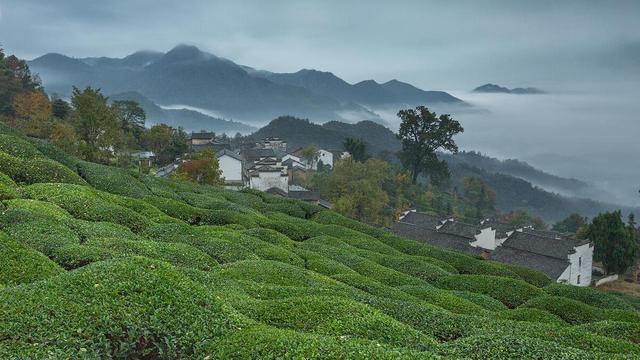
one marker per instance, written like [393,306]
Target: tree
[95,123]
[423,133]
[571,224]
[479,195]
[310,154]
[60,108]
[33,112]
[64,136]
[357,148]
[15,78]
[131,117]
[356,190]
[614,242]
[202,167]
[166,142]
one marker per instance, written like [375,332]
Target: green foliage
[576,312]
[22,265]
[42,234]
[8,187]
[111,179]
[589,296]
[511,292]
[530,314]
[146,309]
[445,299]
[627,331]
[532,276]
[614,243]
[422,133]
[357,148]
[571,224]
[18,147]
[83,203]
[37,170]
[487,302]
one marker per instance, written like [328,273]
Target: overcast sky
[434,44]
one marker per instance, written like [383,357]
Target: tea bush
[590,296]
[510,292]
[22,265]
[111,179]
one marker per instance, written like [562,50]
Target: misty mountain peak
[184,52]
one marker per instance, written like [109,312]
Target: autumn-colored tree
[33,113]
[202,168]
[64,136]
[15,78]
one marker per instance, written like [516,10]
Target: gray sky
[433,44]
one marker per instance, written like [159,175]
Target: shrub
[74,256]
[42,208]
[140,206]
[571,311]
[338,317]
[273,272]
[292,230]
[44,235]
[8,188]
[18,147]
[616,329]
[508,347]
[174,253]
[414,266]
[363,266]
[510,292]
[213,203]
[445,299]
[485,301]
[270,236]
[263,342]
[88,230]
[532,276]
[54,153]
[328,217]
[37,170]
[322,265]
[21,264]
[83,203]
[373,287]
[530,314]
[590,296]
[147,310]
[358,239]
[111,179]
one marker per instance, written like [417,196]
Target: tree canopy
[422,133]
[357,148]
[614,242]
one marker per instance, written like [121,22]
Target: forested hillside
[101,262]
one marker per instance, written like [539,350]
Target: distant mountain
[367,92]
[186,75]
[493,88]
[190,120]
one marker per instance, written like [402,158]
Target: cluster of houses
[559,256]
[267,165]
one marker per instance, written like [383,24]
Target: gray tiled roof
[436,238]
[461,229]
[501,229]
[542,245]
[551,266]
[229,153]
[421,219]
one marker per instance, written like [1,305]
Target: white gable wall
[267,180]
[231,168]
[486,239]
[326,157]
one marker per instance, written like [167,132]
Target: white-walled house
[326,157]
[231,166]
[562,259]
[268,177]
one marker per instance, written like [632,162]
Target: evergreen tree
[614,243]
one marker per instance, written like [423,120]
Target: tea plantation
[98,262]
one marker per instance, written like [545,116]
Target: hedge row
[589,296]
[18,147]
[37,170]
[146,308]
[336,316]
[111,179]
[511,292]
[576,312]
[21,264]
[83,203]
[445,299]
[8,188]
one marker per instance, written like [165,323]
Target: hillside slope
[106,263]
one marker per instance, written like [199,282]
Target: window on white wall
[580,262]
[578,279]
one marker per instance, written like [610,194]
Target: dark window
[578,279]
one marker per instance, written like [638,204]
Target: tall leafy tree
[33,113]
[357,148]
[614,242]
[310,154]
[60,108]
[422,133]
[131,116]
[96,123]
[480,196]
[15,78]
[166,142]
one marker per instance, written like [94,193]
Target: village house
[205,140]
[274,143]
[561,258]
[231,166]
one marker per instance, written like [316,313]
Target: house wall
[578,272]
[200,141]
[267,180]
[486,239]
[326,157]
[231,168]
